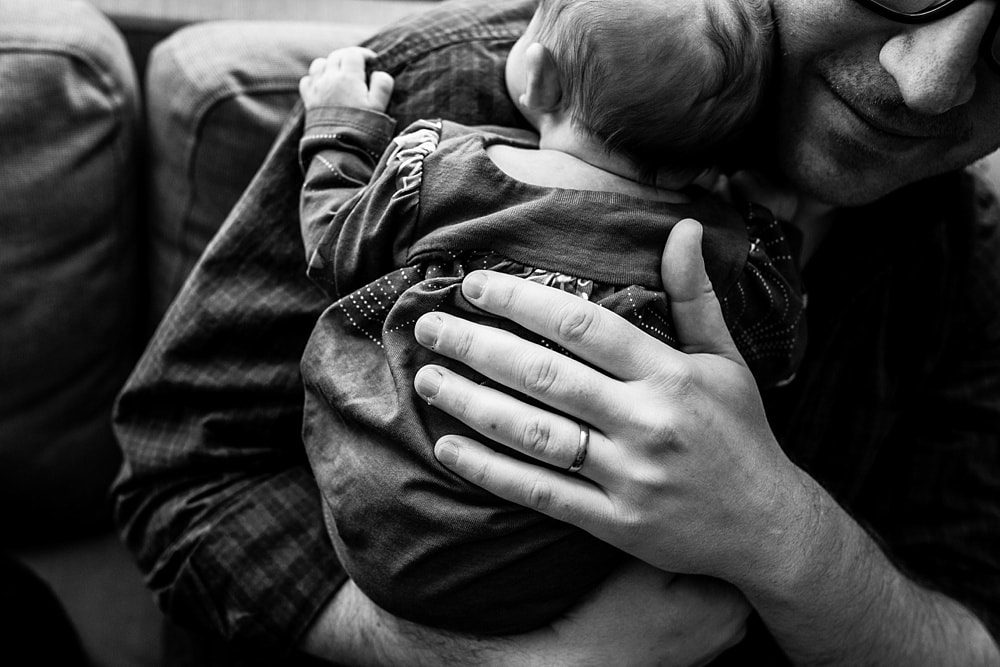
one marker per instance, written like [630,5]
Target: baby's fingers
[380,90]
[354,59]
[317,66]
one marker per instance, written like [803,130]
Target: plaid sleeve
[215,496]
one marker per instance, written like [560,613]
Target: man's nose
[934,63]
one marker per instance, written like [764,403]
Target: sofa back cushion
[68,262]
[217,94]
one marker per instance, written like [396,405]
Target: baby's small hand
[339,80]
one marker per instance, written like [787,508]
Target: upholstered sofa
[127,132]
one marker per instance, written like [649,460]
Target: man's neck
[813,219]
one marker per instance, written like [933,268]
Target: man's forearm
[838,600]
[352,630]
[638,616]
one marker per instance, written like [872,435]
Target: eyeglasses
[925,11]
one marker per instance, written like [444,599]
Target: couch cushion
[217,94]
[178,12]
[67,261]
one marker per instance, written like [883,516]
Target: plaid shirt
[896,409]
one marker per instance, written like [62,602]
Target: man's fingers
[547,437]
[695,308]
[559,496]
[380,89]
[595,334]
[558,381]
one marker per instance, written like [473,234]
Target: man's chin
[845,183]
[848,195]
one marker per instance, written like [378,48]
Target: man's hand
[682,470]
[638,616]
[340,80]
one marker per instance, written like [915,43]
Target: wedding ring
[581,449]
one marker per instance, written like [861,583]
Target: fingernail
[427,330]
[427,382]
[474,285]
[446,452]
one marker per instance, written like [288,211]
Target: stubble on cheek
[827,150]
[813,156]
[857,120]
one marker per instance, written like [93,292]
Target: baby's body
[575,207]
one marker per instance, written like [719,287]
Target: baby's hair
[665,96]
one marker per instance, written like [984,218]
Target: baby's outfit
[418,540]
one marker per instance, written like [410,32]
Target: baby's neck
[567,157]
[564,137]
[550,167]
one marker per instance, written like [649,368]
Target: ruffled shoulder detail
[407,153]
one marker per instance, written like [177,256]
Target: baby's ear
[542,91]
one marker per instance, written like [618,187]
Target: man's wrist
[795,537]
[350,630]
[828,593]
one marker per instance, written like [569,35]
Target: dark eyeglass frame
[938,12]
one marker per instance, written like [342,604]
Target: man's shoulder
[982,277]
[934,246]
[449,62]
[985,202]
[453,22]
[958,208]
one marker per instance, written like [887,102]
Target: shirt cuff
[368,129]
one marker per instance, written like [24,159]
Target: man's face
[867,105]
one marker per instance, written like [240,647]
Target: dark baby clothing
[418,540]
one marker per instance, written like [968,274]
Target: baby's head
[666,84]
